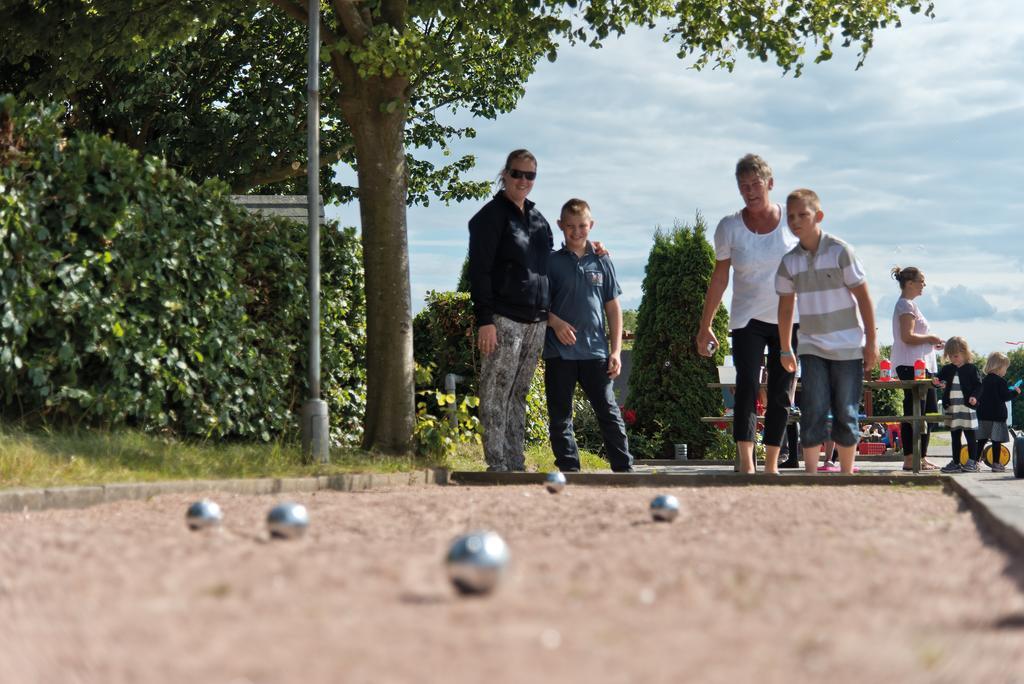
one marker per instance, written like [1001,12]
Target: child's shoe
[970,467]
[998,468]
[829,467]
[953,467]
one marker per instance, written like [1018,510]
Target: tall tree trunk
[390,384]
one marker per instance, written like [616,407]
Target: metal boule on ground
[664,508]
[476,562]
[287,521]
[203,514]
[555,482]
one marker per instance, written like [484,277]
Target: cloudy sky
[918,158]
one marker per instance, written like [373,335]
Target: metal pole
[449,388]
[315,422]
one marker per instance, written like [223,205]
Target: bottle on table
[886,370]
[919,373]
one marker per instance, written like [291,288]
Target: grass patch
[470,457]
[54,458]
[88,457]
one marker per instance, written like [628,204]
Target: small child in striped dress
[961,382]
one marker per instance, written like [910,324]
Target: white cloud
[957,303]
[916,156]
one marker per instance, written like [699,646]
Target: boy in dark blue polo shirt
[584,291]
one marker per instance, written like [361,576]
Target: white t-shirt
[755,259]
[904,354]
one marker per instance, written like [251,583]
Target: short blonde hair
[996,361]
[957,345]
[752,163]
[575,207]
[805,195]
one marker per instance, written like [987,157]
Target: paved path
[998,499]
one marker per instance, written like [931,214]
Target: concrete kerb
[703,479]
[24,499]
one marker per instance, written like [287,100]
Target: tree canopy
[391,66]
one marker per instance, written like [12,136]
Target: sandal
[925,465]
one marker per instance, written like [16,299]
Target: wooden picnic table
[917,418]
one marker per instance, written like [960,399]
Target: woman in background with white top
[912,339]
[752,242]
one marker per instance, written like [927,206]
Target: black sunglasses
[517,174]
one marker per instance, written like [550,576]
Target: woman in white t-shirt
[751,243]
[912,339]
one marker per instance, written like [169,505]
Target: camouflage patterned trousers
[505,377]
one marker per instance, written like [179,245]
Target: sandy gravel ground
[766,584]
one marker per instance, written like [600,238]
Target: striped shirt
[830,326]
[959,415]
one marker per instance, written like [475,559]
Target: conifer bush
[132,296]
[668,382]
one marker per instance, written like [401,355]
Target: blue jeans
[827,384]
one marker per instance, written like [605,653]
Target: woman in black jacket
[509,243]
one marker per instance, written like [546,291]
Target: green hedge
[1014,373]
[668,383]
[444,336]
[885,402]
[133,296]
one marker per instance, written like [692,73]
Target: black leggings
[980,447]
[928,405]
[955,434]
[748,345]
[790,447]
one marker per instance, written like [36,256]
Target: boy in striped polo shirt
[836,346]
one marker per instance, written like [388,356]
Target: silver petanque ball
[555,482]
[203,514]
[664,508]
[287,521]
[476,562]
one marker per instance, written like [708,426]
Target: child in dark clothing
[584,301]
[960,381]
[995,392]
